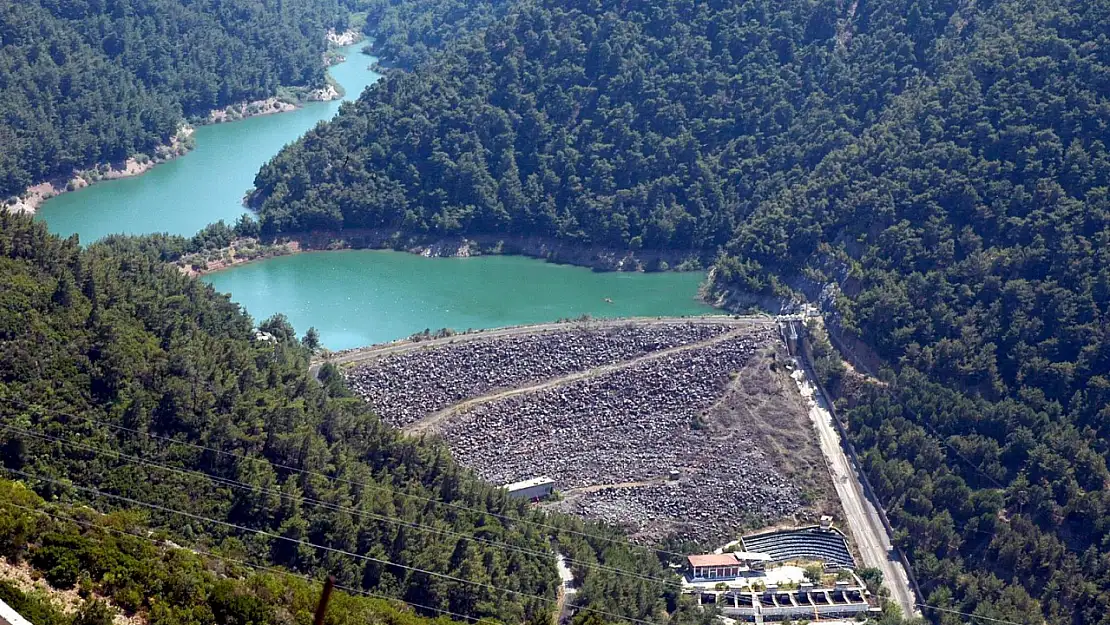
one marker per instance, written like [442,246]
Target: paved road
[863,519]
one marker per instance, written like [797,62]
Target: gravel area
[610,440]
[629,429]
[406,387]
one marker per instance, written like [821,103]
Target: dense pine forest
[408,32]
[116,563]
[969,231]
[941,166]
[655,124]
[84,82]
[120,375]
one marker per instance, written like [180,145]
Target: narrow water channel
[207,184]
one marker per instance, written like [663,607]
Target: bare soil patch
[69,601]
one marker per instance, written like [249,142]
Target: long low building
[844,600]
[729,565]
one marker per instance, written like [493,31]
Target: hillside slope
[70,566]
[409,32]
[942,165]
[85,82]
[968,232]
[120,374]
[629,125]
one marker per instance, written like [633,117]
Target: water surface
[354,297]
[359,297]
[207,184]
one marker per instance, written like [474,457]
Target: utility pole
[325,596]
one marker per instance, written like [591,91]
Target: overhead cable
[367,558]
[328,505]
[262,567]
[510,519]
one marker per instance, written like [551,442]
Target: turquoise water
[355,297]
[361,297]
[206,185]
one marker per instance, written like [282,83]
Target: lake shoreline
[179,145]
[35,195]
[362,297]
[598,258]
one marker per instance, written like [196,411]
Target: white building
[535,488]
[714,566]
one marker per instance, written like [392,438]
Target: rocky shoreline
[33,197]
[598,258]
[272,105]
[240,252]
[345,38]
[256,108]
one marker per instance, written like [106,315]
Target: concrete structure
[758,587]
[804,543]
[722,566]
[806,602]
[535,488]
[8,616]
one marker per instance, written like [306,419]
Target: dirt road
[431,421]
[863,519]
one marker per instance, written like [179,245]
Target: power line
[984,618]
[367,558]
[261,567]
[944,439]
[328,505]
[350,589]
[341,480]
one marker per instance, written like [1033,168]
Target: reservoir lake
[352,297]
[359,297]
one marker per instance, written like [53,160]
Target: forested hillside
[944,164]
[638,124]
[90,81]
[408,32]
[120,564]
[970,231]
[120,374]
